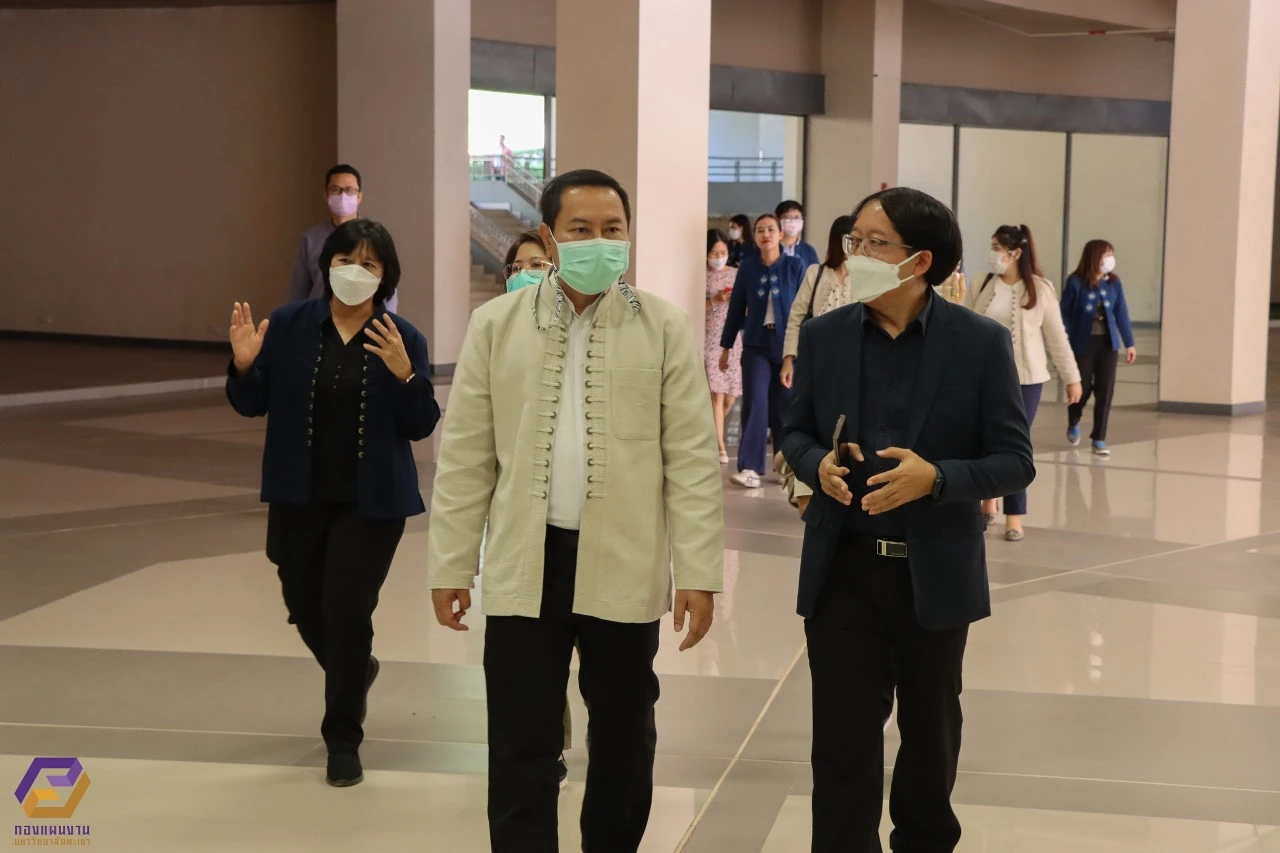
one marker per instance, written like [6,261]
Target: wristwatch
[939,483]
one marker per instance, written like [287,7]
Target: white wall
[1012,177]
[1118,195]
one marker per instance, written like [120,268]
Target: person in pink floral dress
[726,385]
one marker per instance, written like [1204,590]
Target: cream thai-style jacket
[1033,330]
[653,499]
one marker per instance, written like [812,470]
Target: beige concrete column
[404,67]
[853,147]
[1222,171]
[633,84]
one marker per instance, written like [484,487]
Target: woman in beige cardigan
[825,287]
[1031,314]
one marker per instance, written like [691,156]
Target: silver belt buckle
[885,548]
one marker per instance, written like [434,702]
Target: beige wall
[944,47]
[941,46]
[783,35]
[162,163]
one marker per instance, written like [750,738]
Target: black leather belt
[892,548]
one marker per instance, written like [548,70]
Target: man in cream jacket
[578,425]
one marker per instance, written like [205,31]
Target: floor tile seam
[108,730]
[1176,551]
[1109,467]
[742,748]
[27,534]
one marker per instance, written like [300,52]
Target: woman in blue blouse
[759,308]
[343,385]
[1097,321]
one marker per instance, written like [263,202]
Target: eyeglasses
[871,246]
[334,192]
[533,265]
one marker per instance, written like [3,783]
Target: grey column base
[1230,410]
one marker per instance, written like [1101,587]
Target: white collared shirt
[567,491]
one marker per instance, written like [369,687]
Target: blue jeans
[1016,504]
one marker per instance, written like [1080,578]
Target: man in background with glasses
[343,195]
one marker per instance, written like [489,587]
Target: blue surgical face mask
[593,266]
[525,278]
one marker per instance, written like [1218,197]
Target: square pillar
[853,147]
[633,88]
[404,68]
[1222,173]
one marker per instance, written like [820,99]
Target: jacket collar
[551,306]
[938,345]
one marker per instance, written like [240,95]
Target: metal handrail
[524,182]
[489,236]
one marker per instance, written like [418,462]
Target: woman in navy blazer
[344,393]
[1097,320]
[759,307]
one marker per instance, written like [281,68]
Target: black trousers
[332,564]
[863,640]
[1097,377]
[526,669]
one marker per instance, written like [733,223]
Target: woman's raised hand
[246,340]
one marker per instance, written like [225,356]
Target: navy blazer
[966,418]
[280,386]
[753,287]
[1080,306]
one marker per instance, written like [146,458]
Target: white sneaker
[746,479]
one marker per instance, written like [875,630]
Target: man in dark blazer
[922,399]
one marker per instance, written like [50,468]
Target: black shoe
[374,669]
[562,769]
[344,770]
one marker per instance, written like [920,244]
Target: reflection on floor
[1125,696]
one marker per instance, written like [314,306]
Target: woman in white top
[825,287]
[1030,313]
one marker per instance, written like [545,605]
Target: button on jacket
[653,495]
[1080,305]
[282,385]
[1034,330]
[753,289]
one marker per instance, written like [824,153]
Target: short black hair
[925,224]
[549,204]
[346,237]
[343,169]
[787,206]
[522,239]
[715,235]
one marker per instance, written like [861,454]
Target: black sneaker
[562,768]
[374,669]
[344,770]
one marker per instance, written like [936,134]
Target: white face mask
[792,227]
[352,284]
[1108,264]
[735,233]
[717,264]
[869,279]
[999,262]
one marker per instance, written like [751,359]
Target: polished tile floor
[1125,696]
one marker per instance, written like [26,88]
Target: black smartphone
[835,439]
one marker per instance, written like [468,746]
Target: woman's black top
[335,447]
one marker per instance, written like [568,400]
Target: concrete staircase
[506,220]
[484,286]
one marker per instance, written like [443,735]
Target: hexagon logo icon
[60,792]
